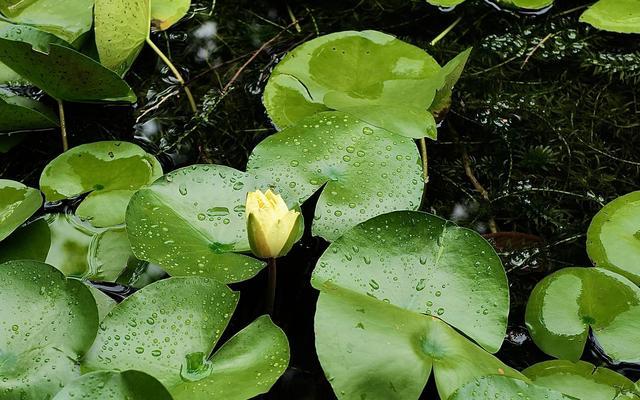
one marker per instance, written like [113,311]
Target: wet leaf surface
[17,203]
[130,385]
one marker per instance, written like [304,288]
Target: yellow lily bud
[272,227]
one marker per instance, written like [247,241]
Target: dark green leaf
[19,113]
[504,388]
[129,385]
[17,203]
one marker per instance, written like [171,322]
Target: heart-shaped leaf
[613,238]
[18,113]
[363,171]
[424,264]
[373,76]
[564,305]
[67,19]
[17,203]
[614,15]
[165,13]
[110,172]
[379,279]
[47,322]
[64,73]
[121,28]
[371,349]
[503,387]
[76,249]
[169,328]
[582,380]
[129,385]
[192,222]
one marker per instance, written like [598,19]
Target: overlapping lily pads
[168,330]
[565,305]
[130,385]
[614,15]
[379,279]
[17,203]
[109,172]
[613,238]
[363,171]
[47,323]
[503,387]
[192,222]
[582,380]
[370,75]
[18,113]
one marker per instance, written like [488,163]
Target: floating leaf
[373,76]
[445,3]
[169,328]
[18,113]
[129,385]
[121,28]
[613,238]
[165,13]
[104,303]
[9,141]
[110,172]
[582,380]
[47,323]
[17,203]
[64,73]
[526,4]
[371,349]
[192,222]
[614,15]
[67,19]
[503,387]
[451,72]
[362,171]
[564,305]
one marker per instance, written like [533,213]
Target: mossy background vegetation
[545,117]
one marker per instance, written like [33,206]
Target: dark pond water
[544,129]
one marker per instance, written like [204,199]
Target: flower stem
[63,126]
[175,72]
[445,32]
[271,286]
[425,160]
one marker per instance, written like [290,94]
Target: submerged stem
[446,31]
[63,126]
[175,72]
[271,286]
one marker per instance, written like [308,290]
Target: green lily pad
[613,238]
[169,328]
[614,15]
[373,76]
[67,19]
[582,380]
[9,141]
[110,172]
[121,28]
[526,4]
[564,305]
[445,3]
[165,13]
[374,350]
[18,113]
[424,264]
[104,303]
[451,73]
[64,73]
[192,222]
[17,203]
[7,75]
[47,323]
[363,171]
[75,248]
[130,385]
[503,387]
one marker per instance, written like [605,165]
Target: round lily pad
[503,387]
[614,15]
[47,323]
[192,222]
[18,113]
[582,380]
[108,172]
[613,238]
[165,13]
[169,328]
[129,385]
[566,304]
[363,171]
[17,203]
[526,4]
[371,349]
[424,264]
[371,75]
